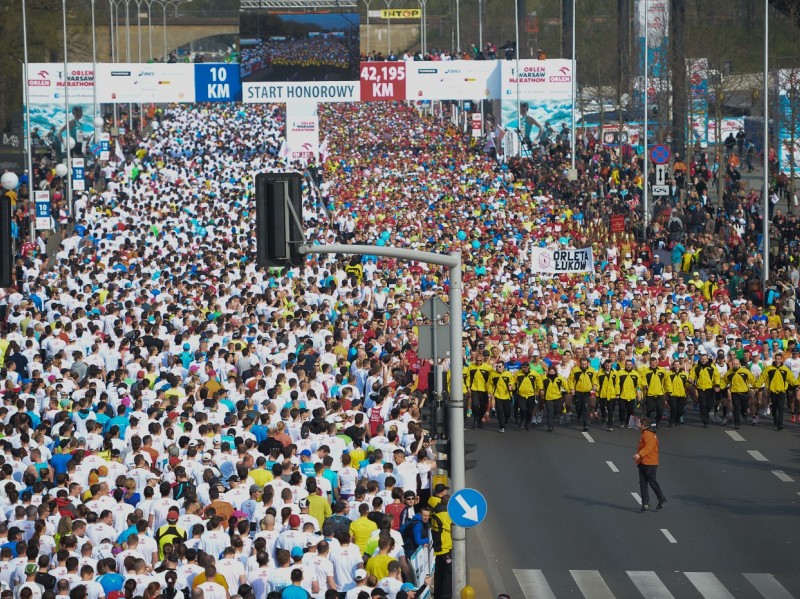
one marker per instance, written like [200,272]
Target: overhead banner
[557,262]
[698,99]
[789,127]
[46,96]
[261,92]
[538,100]
[453,80]
[145,83]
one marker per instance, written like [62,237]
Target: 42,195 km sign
[383,81]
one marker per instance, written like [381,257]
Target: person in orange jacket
[646,459]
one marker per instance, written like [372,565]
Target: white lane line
[782,476]
[612,466]
[735,436]
[592,584]
[637,498]
[669,536]
[757,455]
[649,585]
[768,586]
[708,585]
[588,437]
[533,584]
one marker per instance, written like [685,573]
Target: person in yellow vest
[739,381]
[607,386]
[656,385]
[710,287]
[527,386]
[552,386]
[502,386]
[581,384]
[170,533]
[776,379]
[705,378]
[441,525]
[628,383]
[478,376]
[678,385]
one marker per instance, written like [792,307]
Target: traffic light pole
[457,461]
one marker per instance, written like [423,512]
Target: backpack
[375,420]
[407,532]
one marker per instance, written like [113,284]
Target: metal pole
[646,169]
[458,25]
[67,136]
[480,25]
[127,31]
[150,29]
[94,67]
[369,48]
[388,29]
[573,90]
[457,461]
[28,148]
[111,7]
[765,232]
[139,29]
[164,26]
[520,125]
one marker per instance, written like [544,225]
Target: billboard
[653,14]
[453,80]
[46,96]
[145,83]
[789,115]
[538,100]
[314,45]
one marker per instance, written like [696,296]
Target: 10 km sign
[383,81]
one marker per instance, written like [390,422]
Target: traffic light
[443,457]
[6,256]
[278,213]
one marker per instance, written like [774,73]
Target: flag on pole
[284,151]
[323,151]
[118,151]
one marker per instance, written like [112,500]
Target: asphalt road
[563,520]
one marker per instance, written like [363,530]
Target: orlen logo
[43,80]
[564,77]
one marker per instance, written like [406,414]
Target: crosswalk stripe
[757,455]
[735,436]
[708,585]
[612,466]
[591,584]
[767,586]
[782,476]
[649,584]
[533,584]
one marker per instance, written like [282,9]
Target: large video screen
[310,45]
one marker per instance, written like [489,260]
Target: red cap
[140,374]
[294,520]
[173,515]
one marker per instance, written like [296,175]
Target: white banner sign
[302,131]
[453,80]
[538,96]
[265,92]
[561,261]
[144,83]
[42,202]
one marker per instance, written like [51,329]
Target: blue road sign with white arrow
[467,508]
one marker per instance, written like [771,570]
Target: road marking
[767,586]
[782,476]
[735,436]
[708,585]
[588,437]
[669,536]
[534,584]
[757,455]
[612,466]
[591,584]
[637,498]
[649,585]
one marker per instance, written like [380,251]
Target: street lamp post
[28,149]
[765,184]
[458,25]
[68,140]
[572,137]
[480,26]
[388,29]
[369,48]
[423,27]
[645,200]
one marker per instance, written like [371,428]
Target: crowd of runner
[177,420]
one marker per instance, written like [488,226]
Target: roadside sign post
[456,412]
[467,508]
[431,346]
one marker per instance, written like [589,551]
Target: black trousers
[503,409]
[676,405]
[480,402]
[707,400]
[582,407]
[647,481]
[654,407]
[740,402]
[550,406]
[778,403]
[443,576]
[626,410]
[526,407]
[607,410]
